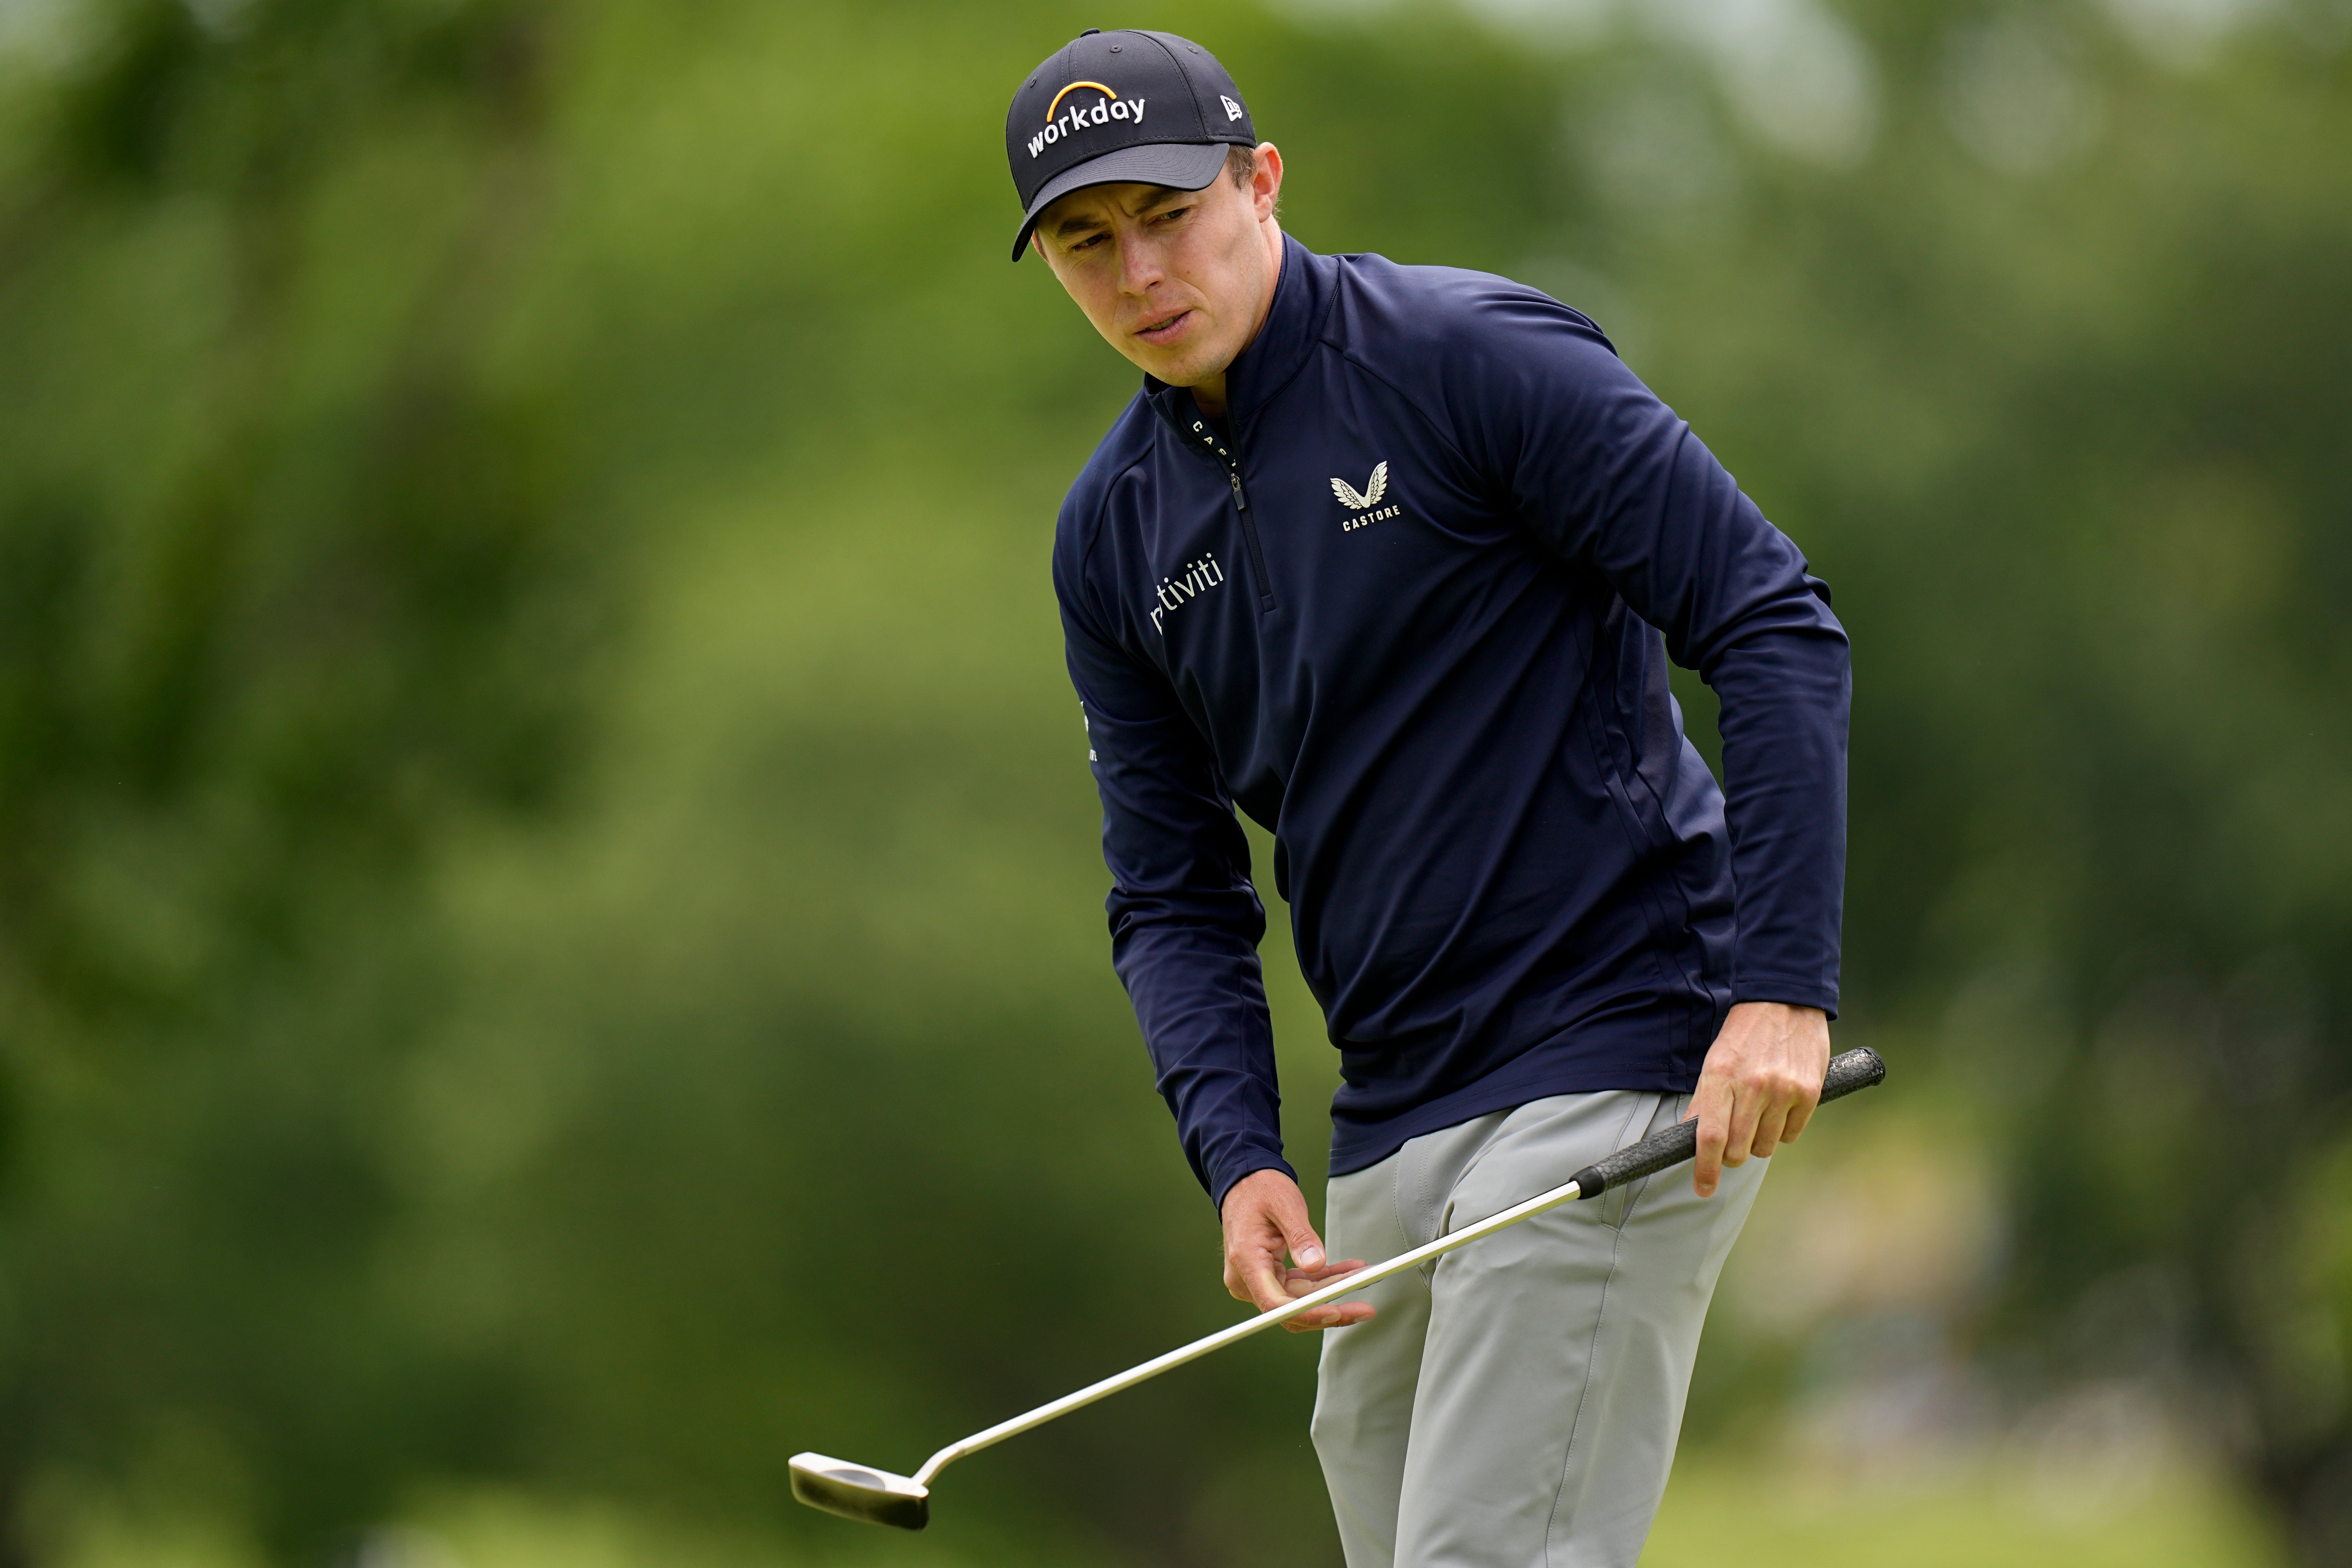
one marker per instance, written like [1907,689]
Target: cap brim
[1178,166]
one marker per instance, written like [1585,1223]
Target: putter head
[853,1491]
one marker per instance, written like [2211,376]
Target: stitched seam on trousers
[1626,1137]
[1396,1199]
[1642,1188]
[1625,1128]
[1592,1364]
[1639,1189]
[1487,1147]
[1592,1351]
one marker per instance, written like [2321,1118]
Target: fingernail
[1311,1258]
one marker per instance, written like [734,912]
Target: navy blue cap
[1107,108]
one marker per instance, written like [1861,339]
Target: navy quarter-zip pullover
[1410,608]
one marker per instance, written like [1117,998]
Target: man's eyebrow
[1160,197]
[1080,222]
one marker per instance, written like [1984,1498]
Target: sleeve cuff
[1788,992]
[1246,1165]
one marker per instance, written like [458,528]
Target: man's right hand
[1266,1221]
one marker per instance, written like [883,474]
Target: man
[1393,559]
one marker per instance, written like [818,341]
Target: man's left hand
[1762,1079]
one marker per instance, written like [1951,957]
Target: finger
[1235,1286]
[1711,1107]
[1740,1133]
[1317,1278]
[1264,1278]
[1338,1315]
[1776,1098]
[1247,1262]
[1306,1282]
[1332,1315]
[1306,1247]
[1799,1115]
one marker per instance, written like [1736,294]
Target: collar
[1302,298]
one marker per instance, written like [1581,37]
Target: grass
[1718,1510]
[1721,1508]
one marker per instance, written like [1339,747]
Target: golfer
[1392,560]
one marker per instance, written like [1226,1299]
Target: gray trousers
[1515,1405]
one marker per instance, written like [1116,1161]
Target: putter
[879,1497]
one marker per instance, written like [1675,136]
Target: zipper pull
[1241,496]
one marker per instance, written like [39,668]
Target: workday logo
[1362,501]
[1077,117]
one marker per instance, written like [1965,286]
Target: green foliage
[548,902]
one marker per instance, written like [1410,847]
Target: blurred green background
[551,934]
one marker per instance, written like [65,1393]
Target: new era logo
[1233,110]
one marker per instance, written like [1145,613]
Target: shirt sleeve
[1185,920]
[1611,480]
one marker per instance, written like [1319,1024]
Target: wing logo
[1370,496]
[1362,501]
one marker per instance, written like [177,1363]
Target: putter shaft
[1348,1285]
[1670,1146]
[878,1497]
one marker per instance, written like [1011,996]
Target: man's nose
[1139,265]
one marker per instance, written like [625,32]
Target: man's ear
[1265,182]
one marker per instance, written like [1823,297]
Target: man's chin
[1185,369]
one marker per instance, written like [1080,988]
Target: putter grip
[1671,1146]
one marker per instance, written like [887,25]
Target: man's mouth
[1166,329]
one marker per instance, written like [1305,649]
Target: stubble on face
[1177,282]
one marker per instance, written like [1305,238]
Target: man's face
[1179,281]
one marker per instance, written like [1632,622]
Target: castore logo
[1362,501]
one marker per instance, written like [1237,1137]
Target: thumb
[1304,1244]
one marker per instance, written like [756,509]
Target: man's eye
[1088,243]
[1170,215]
